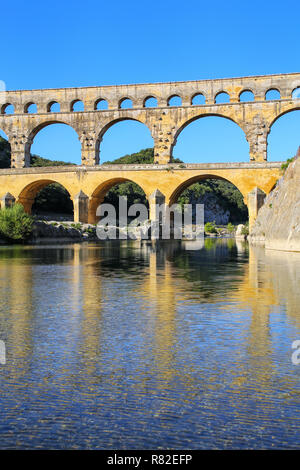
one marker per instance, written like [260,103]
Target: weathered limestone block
[255,201]
[20,150]
[81,207]
[164,139]
[156,212]
[7,200]
[89,148]
[239,232]
[257,135]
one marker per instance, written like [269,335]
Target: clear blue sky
[71,43]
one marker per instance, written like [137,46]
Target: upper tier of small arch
[98,99]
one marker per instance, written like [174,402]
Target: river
[117,345]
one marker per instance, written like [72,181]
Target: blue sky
[71,43]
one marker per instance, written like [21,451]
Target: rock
[213,211]
[238,234]
[278,222]
[53,230]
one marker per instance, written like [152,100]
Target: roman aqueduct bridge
[88,182]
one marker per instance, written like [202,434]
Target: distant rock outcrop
[278,221]
[213,210]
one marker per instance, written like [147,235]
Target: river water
[173,346]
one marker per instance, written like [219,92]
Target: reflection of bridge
[88,183]
[269,279]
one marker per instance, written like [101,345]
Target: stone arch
[5,106]
[50,106]
[176,97]
[195,179]
[102,189]
[110,124]
[28,106]
[272,89]
[199,95]
[123,100]
[282,140]
[75,102]
[286,111]
[27,195]
[296,93]
[147,99]
[98,101]
[246,90]
[224,94]
[184,124]
[33,132]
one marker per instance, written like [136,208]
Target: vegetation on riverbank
[15,224]
[286,164]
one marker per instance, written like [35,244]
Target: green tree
[230,227]
[15,223]
[210,227]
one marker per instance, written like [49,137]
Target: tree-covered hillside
[4,153]
[142,157]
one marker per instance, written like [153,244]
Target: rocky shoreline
[58,231]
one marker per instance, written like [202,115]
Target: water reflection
[149,345]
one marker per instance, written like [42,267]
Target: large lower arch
[196,179]
[122,144]
[63,143]
[283,138]
[98,195]
[30,191]
[221,201]
[213,125]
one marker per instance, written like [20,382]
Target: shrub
[245,229]
[77,226]
[15,223]
[286,164]
[230,227]
[210,227]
